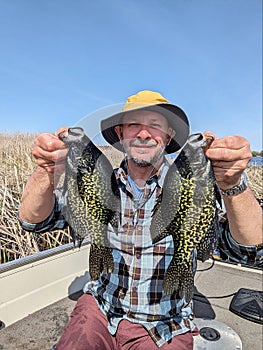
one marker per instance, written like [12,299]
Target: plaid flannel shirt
[134,290]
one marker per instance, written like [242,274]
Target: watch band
[241,187]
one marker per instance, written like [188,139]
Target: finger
[238,165]
[228,155]
[231,142]
[227,175]
[45,140]
[210,134]
[229,148]
[48,146]
[61,129]
[50,157]
[43,162]
[50,169]
[57,169]
[49,142]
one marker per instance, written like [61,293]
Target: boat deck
[215,284]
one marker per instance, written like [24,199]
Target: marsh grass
[255,177]
[17,164]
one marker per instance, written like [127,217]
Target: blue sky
[62,59]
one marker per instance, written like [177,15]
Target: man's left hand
[230,156]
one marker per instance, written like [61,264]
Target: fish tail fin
[171,279]
[107,260]
[186,290]
[100,260]
[179,279]
[94,262]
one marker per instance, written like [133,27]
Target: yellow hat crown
[142,99]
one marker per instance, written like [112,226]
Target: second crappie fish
[91,198]
[187,212]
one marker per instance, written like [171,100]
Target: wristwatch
[233,191]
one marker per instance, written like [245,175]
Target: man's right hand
[50,152]
[38,197]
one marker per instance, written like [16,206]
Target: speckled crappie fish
[187,212]
[91,198]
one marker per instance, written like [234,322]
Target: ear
[118,130]
[170,135]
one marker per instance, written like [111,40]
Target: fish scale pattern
[187,211]
[91,198]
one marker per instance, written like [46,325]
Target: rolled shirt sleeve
[55,221]
[230,249]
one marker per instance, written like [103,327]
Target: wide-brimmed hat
[153,101]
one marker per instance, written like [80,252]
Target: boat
[38,292]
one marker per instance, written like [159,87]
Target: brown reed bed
[255,176]
[17,164]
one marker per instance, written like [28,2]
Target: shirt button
[138,253]
[121,293]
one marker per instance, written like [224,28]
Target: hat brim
[175,116]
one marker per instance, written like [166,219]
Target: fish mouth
[77,131]
[204,141]
[71,132]
[63,134]
[208,140]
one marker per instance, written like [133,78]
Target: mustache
[147,143]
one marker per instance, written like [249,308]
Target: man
[127,309]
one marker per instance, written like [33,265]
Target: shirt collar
[158,177]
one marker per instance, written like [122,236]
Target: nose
[144,133]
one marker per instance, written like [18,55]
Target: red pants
[87,330]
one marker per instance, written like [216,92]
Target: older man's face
[144,136]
